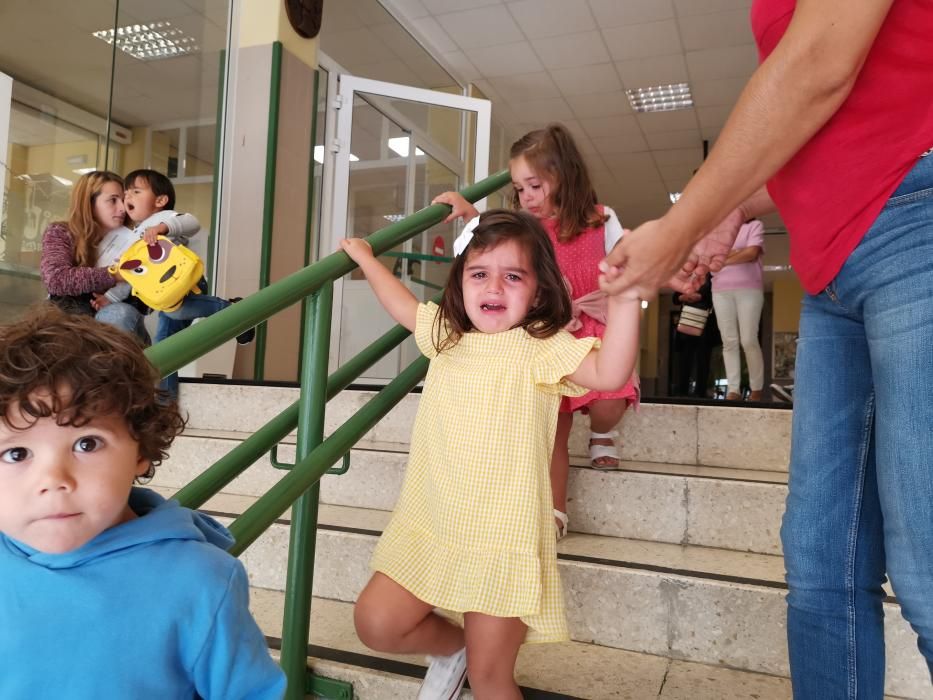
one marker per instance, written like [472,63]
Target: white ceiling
[572,60]
[48,44]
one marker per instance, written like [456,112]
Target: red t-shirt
[830,193]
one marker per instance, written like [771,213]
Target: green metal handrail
[299,488]
[209,333]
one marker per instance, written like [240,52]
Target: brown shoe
[754,395]
[732,396]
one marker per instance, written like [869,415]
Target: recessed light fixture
[152,41]
[674,196]
[661,98]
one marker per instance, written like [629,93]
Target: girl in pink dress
[550,181]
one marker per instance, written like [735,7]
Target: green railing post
[303,531]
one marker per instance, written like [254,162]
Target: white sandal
[561,527]
[602,451]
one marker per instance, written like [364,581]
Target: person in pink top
[551,181]
[738,298]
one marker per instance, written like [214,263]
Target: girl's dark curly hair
[74,369]
[550,310]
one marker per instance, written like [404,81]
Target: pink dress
[578,260]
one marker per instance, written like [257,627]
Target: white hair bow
[466,235]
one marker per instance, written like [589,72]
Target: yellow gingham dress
[473,530]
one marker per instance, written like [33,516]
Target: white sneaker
[445,677]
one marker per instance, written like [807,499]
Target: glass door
[396,148]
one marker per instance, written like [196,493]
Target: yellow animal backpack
[161,274]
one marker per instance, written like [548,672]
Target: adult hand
[709,255]
[646,259]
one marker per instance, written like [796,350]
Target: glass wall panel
[156,95]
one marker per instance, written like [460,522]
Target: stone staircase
[672,572]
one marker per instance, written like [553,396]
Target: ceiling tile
[675,120]
[551,109]
[679,173]
[521,88]
[545,18]
[459,62]
[438,7]
[726,62]
[631,167]
[613,145]
[587,79]
[486,26]
[715,30]
[434,33]
[572,50]
[710,133]
[614,13]
[412,9]
[675,139]
[505,59]
[657,70]
[712,93]
[576,129]
[679,156]
[713,116]
[698,7]
[600,104]
[620,126]
[642,40]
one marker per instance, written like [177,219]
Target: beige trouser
[738,312]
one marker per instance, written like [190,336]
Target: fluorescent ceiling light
[84,171]
[661,98]
[151,41]
[399,144]
[319,155]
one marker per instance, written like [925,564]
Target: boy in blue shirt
[108,590]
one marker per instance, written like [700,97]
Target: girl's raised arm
[461,207]
[394,296]
[608,368]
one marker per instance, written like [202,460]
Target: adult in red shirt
[837,122]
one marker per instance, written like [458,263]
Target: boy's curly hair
[75,369]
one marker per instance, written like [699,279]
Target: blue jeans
[860,500]
[124,317]
[171,322]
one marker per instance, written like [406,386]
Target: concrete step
[709,506]
[685,602]
[568,671]
[713,436]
